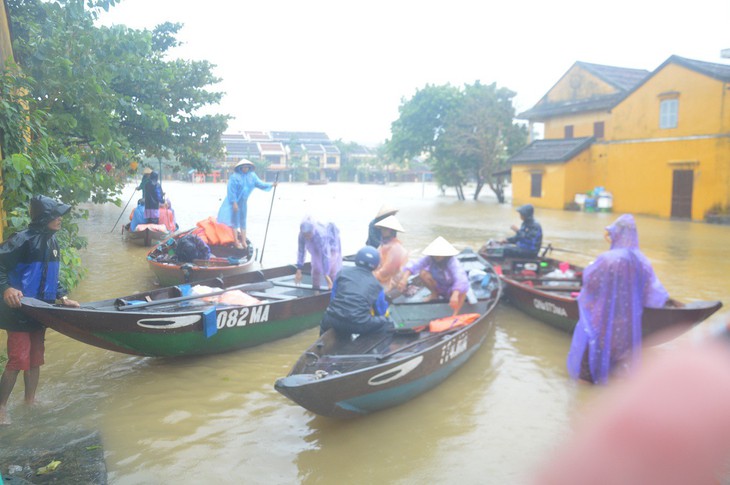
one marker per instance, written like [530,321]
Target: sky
[344,67]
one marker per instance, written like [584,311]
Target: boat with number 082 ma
[209,317]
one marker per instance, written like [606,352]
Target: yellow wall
[636,160]
[576,84]
[582,125]
[643,156]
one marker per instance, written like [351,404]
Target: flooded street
[219,419]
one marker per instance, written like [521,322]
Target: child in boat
[616,288]
[357,304]
[29,266]
[393,256]
[441,272]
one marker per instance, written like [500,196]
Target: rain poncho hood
[43,210]
[616,288]
[30,262]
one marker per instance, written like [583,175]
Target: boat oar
[266,232]
[549,248]
[124,305]
[123,211]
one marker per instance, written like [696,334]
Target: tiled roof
[623,78]
[241,148]
[717,71]
[314,148]
[548,110]
[550,151]
[272,148]
[300,136]
[331,149]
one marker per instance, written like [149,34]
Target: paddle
[549,248]
[262,285]
[123,211]
[266,232]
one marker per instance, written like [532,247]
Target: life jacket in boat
[215,233]
[449,323]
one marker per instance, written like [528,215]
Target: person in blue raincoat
[234,208]
[29,267]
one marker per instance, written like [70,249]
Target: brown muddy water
[219,419]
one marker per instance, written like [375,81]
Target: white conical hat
[386,210]
[390,222]
[243,161]
[440,247]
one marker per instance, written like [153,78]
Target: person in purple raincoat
[234,208]
[441,272]
[616,288]
[322,242]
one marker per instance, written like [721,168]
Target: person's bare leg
[31,378]
[7,382]
[430,284]
[243,239]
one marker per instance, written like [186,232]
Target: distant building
[285,152]
[658,141]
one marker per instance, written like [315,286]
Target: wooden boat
[317,182]
[146,237]
[166,322]
[343,377]
[533,286]
[226,260]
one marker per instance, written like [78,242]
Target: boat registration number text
[547,306]
[240,317]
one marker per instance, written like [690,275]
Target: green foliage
[86,98]
[467,133]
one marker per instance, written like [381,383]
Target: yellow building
[658,141]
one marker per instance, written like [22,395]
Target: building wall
[576,84]
[582,125]
[636,160]
[643,156]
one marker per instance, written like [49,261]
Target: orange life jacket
[214,233]
[448,323]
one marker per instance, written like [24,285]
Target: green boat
[208,317]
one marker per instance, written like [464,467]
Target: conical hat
[147,170]
[440,247]
[386,210]
[390,222]
[245,162]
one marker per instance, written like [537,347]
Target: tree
[467,133]
[481,134]
[87,101]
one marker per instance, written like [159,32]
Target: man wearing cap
[393,256]
[528,238]
[441,272]
[233,211]
[29,266]
[374,235]
[357,304]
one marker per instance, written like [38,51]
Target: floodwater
[219,419]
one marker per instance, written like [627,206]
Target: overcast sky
[342,67]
